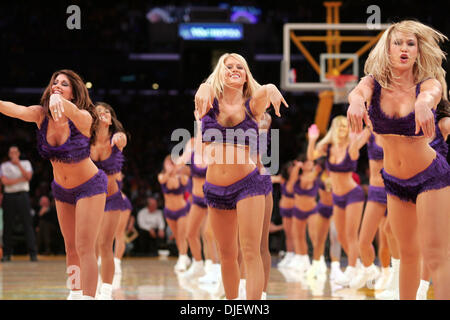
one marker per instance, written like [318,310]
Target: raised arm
[357,141]
[293,176]
[312,153]
[119,139]
[357,98]
[28,114]
[428,98]
[276,179]
[265,96]
[186,156]
[203,99]
[444,126]
[163,177]
[59,106]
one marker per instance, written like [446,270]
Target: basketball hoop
[342,85]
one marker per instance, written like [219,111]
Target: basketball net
[342,85]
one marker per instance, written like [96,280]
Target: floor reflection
[155,279]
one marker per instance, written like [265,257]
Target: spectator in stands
[151,228]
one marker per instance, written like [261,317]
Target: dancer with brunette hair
[106,152]
[67,121]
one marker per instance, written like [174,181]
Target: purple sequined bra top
[383,124]
[346,165]
[298,190]
[113,164]
[285,193]
[438,143]
[245,133]
[374,151]
[179,190]
[75,149]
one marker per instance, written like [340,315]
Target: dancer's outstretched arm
[29,114]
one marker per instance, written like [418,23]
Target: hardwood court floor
[153,279]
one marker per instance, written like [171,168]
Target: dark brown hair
[80,96]
[116,125]
[442,109]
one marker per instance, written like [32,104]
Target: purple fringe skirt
[199,201]
[302,215]
[267,183]
[115,202]
[226,197]
[324,210]
[286,212]
[127,204]
[354,195]
[436,176]
[96,185]
[175,215]
[377,194]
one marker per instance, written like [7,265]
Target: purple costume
[438,143]
[263,148]
[436,176]
[126,202]
[226,197]
[75,149]
[323,209]
[375,152]
[112,165]
[286,212]
[347,165]
[297,212]
[199,173]
[175,215]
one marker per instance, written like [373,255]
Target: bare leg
[194,221]
[393,246]
[287,226]
[323,225]
[353,214]
[105,241]
[178,228]
[250,215]
[225,228]
[434,232]
[299,232]
[373,215]
[66,218]
[210,241]
[383,248]
[403,221]
[89,212]
[339,223]
[120,234]
[265,252]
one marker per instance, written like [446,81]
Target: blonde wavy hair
[332,135]
[429,56]
[217,78]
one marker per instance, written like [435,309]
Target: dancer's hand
[424,119]
[56,106]
[313,132]
[356,113]
[298,164]
[118,139]
[275,98]
[203,100]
